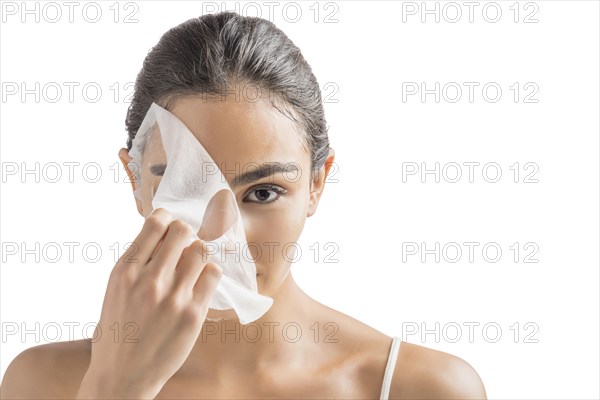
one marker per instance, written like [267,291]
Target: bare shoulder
[47,371]
[419,372]
[424,373]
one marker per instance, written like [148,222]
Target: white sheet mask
[194,190]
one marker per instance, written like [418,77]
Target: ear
[318,183]
[125,160]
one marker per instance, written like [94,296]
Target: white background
[361,61]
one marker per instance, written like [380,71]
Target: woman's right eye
[158,169]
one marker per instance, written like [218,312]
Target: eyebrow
[263,170]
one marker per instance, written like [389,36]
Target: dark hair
[214,53]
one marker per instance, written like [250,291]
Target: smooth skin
[179,354]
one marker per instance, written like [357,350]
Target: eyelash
[280,191]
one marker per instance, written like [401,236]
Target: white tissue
[190,181]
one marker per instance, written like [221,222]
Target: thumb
[220,215]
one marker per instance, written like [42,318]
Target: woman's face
[242,136]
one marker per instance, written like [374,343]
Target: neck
[281,334]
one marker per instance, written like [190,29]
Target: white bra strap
[389,368]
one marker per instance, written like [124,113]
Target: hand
[162,288]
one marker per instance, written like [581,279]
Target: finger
[206,284]
[158,245]
[220,215]
[149,238]
[176,239]
[190,266]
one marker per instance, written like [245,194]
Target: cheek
[271,234]
[146,193]
[148,185]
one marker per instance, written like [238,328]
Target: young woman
[195,71]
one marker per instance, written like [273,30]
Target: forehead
[240,133]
